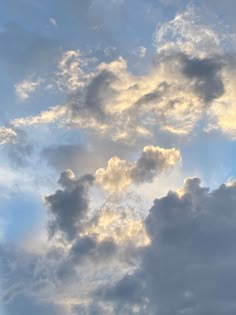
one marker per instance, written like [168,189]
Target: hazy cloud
[189,265]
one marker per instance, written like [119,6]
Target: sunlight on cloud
[119,173]
[120,228]
[7,135]
[126,227]
[25,88]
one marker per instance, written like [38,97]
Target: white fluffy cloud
[26,87]
[71,75]
[121,173]
[7,135]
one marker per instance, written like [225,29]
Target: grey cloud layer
[189,266]
[68,207]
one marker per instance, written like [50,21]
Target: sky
[117,157]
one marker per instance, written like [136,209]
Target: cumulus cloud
[121,173]
[186,264]
[189,265]
[54,114]
[116,176]
[62,276]
[205,75]
[33,282]
[69,206]
[122,227]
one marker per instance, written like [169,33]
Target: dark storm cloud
[189,267]
[206,74]
[69,206]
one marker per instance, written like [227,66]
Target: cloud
[189,265]
[190,82]
[189,259]
[116,177]
[141,52]
[54,114]
[206,76]
[117,104]
[112,256]
[223,112]
[71,74]
[79,157]
[20,150]
[122,227]
[53,22]
[7,135]
[62,276]
[69,206]
[121,173]
[152,162]
[26,87]
[191,33]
